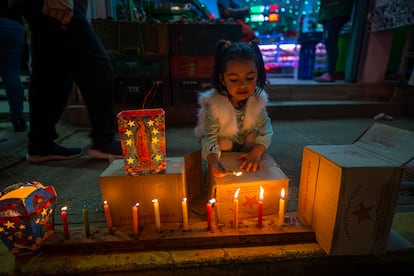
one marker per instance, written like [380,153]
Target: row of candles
[209,209]
[85,215]
[259,208]
[135,217]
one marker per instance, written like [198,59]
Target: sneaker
[19,124]
[327,77]
[110,151]
[53,152]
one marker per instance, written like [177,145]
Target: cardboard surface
[348,193]
[122,191]
[271,178]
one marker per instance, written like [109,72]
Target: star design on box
[250,201]
[128,133]
[131,123]
[9,224]
[362,213]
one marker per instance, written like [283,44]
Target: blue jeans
[61,58]
[331,30]
[11,51]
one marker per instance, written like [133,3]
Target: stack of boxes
[174,59]
[192,48]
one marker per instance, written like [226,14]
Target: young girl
[232,115]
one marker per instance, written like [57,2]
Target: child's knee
[225,144]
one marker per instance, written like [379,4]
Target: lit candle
[282,207]
[86,221]
[157,213]
[64,216]
[260,209]
[108,217]
[185,213]
[135,218]
[209,208]
[236,209]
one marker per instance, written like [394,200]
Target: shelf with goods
[281,59]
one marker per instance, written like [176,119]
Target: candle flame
[282,194]
[184,199]
[155,200]
[233,172]
[212,201]
[261,193]
[137,204]
[105,202]
[64,208]
[236,194]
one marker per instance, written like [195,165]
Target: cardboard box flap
[352,156]
[174,166]
[390,142]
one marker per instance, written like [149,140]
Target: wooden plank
[173,237]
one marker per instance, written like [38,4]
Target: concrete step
[291,99]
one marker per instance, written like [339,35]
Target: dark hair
[226,50]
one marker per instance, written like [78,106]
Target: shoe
[327,77]
[54,152]
[110,151]
[19,124]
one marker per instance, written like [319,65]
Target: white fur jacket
[222,108]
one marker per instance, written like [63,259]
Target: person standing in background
[333,15]
[67,51]
[232,9]
[12,43]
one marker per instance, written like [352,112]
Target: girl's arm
[253,159]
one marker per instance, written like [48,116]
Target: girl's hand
[253,159]
[216,165]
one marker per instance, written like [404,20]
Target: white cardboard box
[348,193]
[271,178]
[122,191]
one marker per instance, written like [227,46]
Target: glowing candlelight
[282,207]
[233,172]
[209,207]
[85,215]
[236,209]
[157,213]
[260,208]
[108,217]
[185,213]
[135,218]
[64,215]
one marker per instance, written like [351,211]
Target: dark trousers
[11,51]
[62,57]
[331,30]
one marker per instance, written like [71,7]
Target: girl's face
[240,78]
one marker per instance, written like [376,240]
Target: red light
[273,8]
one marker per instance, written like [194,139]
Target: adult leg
[50,85]
[11,50]
[93,74]
[331,33]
